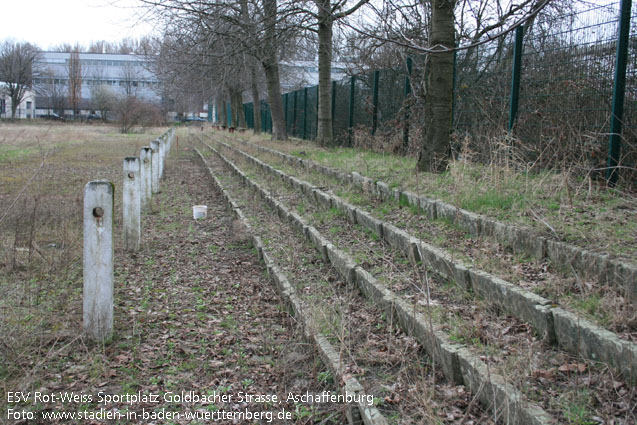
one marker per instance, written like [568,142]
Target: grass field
[193,310]
[43,171]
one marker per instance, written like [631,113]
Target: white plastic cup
[199,211]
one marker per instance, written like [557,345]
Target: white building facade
[26,108]
[100,74]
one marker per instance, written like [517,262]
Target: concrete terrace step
[569,331]
[459,364]
[606,269]
[350,385]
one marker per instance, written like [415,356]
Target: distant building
[26,108]
[101,73]
[299,74]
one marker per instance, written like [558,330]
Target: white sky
[47,23]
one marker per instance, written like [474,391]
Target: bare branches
[394,17]
[16,70]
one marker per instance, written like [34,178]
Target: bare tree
[74,69]
[327,13]
[103,100]
[450,25]
[52,89]
[225,32]
[129,79]
[16,70]
[439,82]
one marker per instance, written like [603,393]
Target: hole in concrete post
[131,175]
[98,212]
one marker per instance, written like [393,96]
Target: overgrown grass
[557,203]
[43,170]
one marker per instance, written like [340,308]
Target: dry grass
[556,203]
[508,346]
[43,170]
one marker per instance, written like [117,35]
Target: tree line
[232,49]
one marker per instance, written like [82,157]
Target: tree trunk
[324,133]
[256,101]
[279,132]
[270,64]
[436,148]
[15,101]
[238,114]
[221,110]
[251,63]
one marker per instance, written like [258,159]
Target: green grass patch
[491,200]
[7,154]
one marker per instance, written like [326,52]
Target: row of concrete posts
[141,180]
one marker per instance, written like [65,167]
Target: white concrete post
[155,160]
[131,204]
[162,155]
[98,259]
[169,138]
[145,177]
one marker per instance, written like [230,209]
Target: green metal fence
[557,101]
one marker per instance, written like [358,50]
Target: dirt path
[194,313]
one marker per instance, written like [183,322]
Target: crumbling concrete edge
[592,341]
[370,415]
[522,239]
[451,356]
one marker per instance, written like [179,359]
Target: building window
[28,105]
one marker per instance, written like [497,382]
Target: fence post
[406,93]
[131,204]
[162,156]
[375,101]
[316,106]
[333,105]
[145,176]
[98,260]
[154,166]
[453,88]
[305,113]
[619,91]
[285,107]
[350,118]
[515,79]
[294,111]
[210,109]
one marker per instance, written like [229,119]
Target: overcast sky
[47,23]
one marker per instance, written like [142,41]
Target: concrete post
[98,259]
[131,204]
[162,156]
[155,160]
[145,177]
